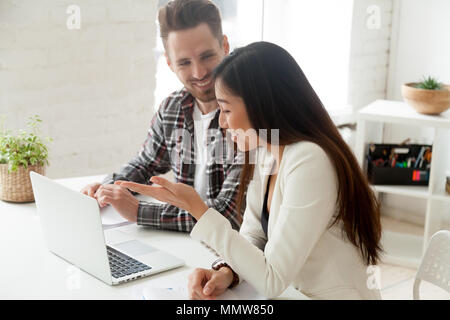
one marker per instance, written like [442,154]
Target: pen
[426,156]
[394,160]
[419,157]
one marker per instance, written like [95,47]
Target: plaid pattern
[170,146]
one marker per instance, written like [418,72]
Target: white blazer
[300,249]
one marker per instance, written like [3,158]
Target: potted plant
[20,154]
[427,97]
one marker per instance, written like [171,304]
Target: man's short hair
[186,14]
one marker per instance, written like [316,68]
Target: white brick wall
[369,56]
[93,87]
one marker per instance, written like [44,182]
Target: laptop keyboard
[123,265]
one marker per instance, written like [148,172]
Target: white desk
[29,271]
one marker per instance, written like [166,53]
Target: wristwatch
[219,263]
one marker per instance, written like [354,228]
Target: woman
[312,221]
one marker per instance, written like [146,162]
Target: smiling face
[192,54]
[234,118]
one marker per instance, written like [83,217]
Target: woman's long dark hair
[277,95]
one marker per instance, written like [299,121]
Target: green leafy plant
[25,148]
[429,83]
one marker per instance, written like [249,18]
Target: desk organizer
[394,164]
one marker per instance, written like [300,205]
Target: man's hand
[90,189]
[120,198]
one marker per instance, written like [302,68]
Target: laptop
[72,226]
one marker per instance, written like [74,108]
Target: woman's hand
[176,194]
[208,284]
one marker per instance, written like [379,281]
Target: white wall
[93,87]
[423,43]
[370,49]
[421,47]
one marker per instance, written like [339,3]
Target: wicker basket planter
[16,186]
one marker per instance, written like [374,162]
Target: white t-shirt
[201,125]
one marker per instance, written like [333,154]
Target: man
[184,135]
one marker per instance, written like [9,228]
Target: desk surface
[29,271]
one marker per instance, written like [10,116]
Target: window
[316,33]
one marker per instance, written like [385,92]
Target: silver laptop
[72,226]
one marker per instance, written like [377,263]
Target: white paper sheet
[242,292]
[111,218]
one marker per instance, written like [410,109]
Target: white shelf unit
[402,248]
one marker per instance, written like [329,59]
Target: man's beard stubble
[205,97]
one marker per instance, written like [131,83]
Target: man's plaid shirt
[170,146]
